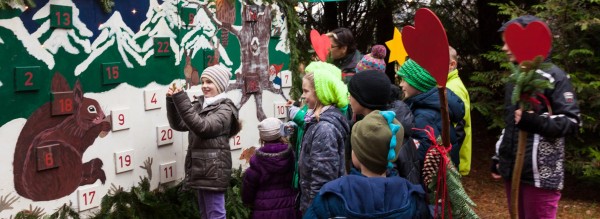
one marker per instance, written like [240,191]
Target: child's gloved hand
[528,121]
[288,128]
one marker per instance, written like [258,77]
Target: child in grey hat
[267,183]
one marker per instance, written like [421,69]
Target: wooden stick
[517,170]
[445,116]
[516,175]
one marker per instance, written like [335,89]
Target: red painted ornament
[529,42]
[321,44]
[426,43]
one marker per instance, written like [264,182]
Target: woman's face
[209,88]
[337,51]
[308,93]
[408,90]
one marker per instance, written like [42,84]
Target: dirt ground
[578,200]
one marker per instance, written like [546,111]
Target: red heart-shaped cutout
[320,43]
[426,43]
[529,42]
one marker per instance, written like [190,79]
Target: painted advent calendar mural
[83,91]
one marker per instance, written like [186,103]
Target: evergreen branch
[7,4]
[32,212]
[107,5]
[64,212]
[528,83]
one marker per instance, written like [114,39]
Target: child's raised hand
[289,103]
[173,90]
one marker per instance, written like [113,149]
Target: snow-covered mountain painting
[162,21]
[203,36]
[31,43]
[74,40]
[114,32]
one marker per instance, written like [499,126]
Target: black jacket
[544,156]
[407,164]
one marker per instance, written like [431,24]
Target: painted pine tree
[162,21]
[114,33]
[74,40]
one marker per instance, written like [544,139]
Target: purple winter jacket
[267,183]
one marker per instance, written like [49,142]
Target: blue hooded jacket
[426,110]
[356,196]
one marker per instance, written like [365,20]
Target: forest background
[472,29]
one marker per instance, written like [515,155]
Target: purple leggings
[534,202]
[211,204]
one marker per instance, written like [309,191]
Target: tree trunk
[385,32]
[330,16]
[253,37]
[489,22]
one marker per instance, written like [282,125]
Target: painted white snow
[283,45]
[114,30]
[161,21]
[156,12]
[1,41]
[31,43]
[175,49]
[61,37]
[96,52]
[13,4]
[204,23]
[170,10]
[223,55]
[0,83]
[203,37]
[162,30]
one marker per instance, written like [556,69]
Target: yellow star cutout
[397,51]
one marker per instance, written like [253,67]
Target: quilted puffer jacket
[208,159]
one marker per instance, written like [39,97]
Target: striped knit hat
[416,76]
[219,75]
[329,86]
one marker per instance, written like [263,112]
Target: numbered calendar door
[164,135]
[120,119]
[123,161]
[168,172]
[88,198]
